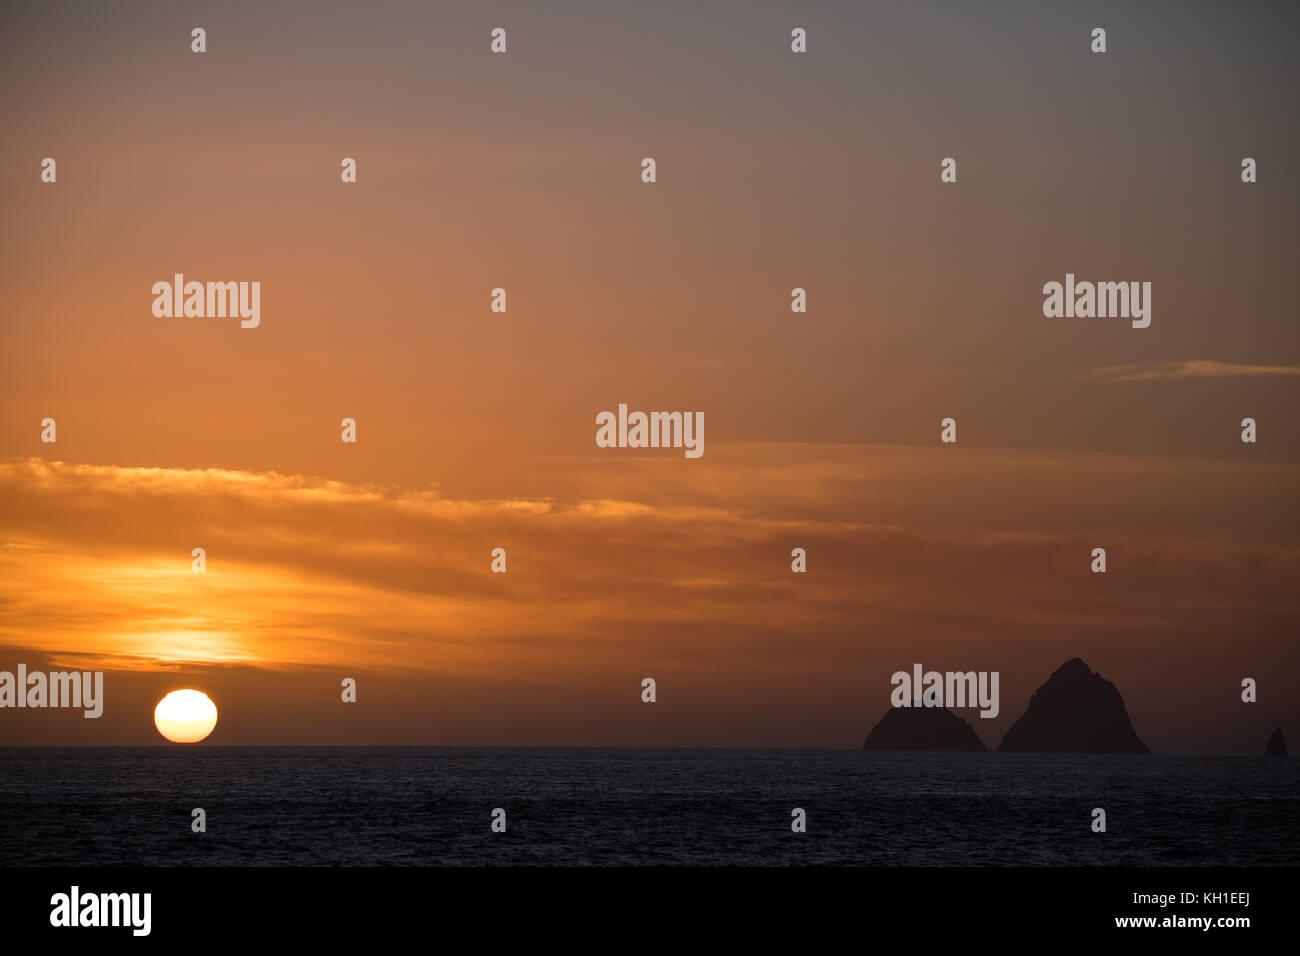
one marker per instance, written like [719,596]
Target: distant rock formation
[922,728]
[1276,745]
[1076,711]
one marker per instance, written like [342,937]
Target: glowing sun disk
[185,716]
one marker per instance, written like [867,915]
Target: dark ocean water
[432,807]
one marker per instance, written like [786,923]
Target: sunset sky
[476,430]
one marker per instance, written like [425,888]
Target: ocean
[400,806]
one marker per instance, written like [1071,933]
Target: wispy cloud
[307,571]
[1195,368]
[626,575]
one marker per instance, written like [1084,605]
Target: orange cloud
[913,554]
[307,571]
[1195,368]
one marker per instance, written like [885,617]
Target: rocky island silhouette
[1276,745]
[1074,711]
[922,728]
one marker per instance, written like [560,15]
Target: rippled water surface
[433,806]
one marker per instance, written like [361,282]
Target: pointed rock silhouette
[1276,745]
[1076,711]
[922,728]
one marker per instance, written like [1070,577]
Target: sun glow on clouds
[149,614]
[309,572]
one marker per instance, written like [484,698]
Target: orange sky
[615,577]
[476,430]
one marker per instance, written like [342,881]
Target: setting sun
[185,716]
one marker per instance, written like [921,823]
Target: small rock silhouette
[922,728]
[1276,745]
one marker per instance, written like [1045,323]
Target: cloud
[310,572]
[1195,368]
[977,559]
